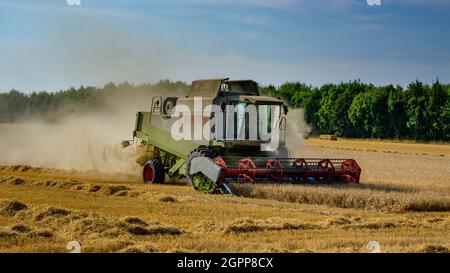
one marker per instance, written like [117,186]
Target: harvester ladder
[156,104]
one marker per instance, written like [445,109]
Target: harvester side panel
[162,138]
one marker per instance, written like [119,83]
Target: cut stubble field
[403,202]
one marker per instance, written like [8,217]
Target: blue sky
[49,45]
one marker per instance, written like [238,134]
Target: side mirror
[286,110]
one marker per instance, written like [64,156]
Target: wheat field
[402,202]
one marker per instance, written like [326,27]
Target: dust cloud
[86,50]
[80,143]
[296,130]
[89,141]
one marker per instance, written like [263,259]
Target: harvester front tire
[153,172]
[195,153]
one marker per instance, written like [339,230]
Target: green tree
[326,114]
[378,104]
[444,119]
[396,112]
[346,93]
[436,102]
[12,106]
[418,121]
[359,115]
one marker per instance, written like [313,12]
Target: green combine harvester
[234,153]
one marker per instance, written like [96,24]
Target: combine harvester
[210,165]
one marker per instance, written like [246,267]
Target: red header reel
[287,170]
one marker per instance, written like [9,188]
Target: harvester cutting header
[225,132]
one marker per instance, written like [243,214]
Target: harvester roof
[206,88]
[211,87]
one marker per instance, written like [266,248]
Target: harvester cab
[223,132]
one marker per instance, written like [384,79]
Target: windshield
[250,122]
[264,120]
[239,87]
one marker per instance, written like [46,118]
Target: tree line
[359,110]
[16,106]
[351,109]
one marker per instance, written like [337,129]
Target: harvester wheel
[203,184]
[193,154]
[153,172]
[169,105]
